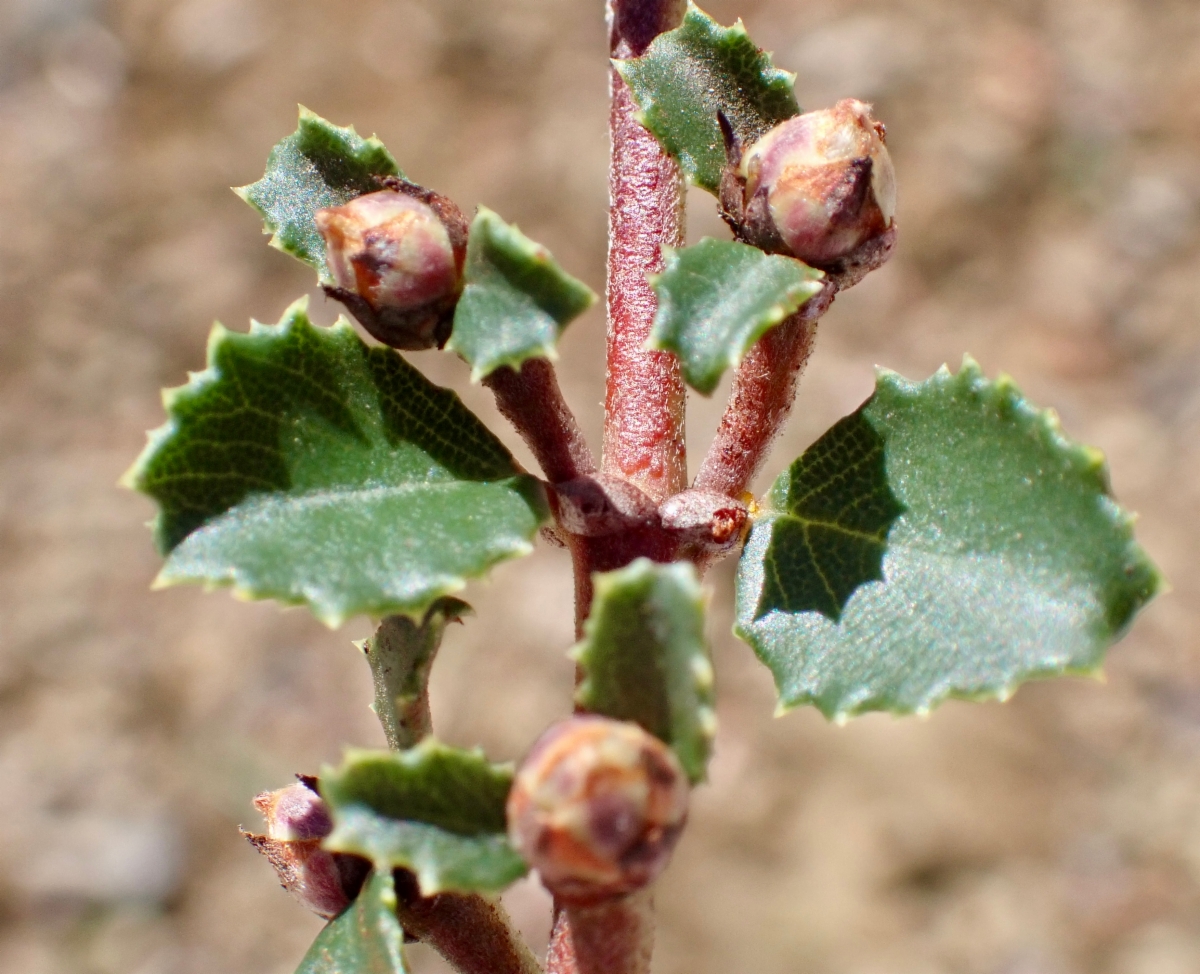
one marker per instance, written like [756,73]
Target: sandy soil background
[1050,224]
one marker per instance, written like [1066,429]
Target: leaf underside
[436,810]
[365,938]
[946,540]
[318,165]
[717,298]
[645,659]
[306,467]
[699,70]
[516,300]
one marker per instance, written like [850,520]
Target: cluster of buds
[819,187]
[596,808]
[396,257]
[297,820]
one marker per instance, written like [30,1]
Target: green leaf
[516,300]
[719,297]
[306,467]
[436,810]
[689,75]
[401,655]
[644,657]
[365,938]
[946,540]
[440,859]
[318,165]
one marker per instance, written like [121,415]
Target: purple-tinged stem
[645,399]
[610,938]
[764,388]
[473,934]
[531,400]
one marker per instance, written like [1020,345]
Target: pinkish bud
[820,186]
[296,812]
[596,808]
[396,259]
[297,821]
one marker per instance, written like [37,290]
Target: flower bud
[396,259]
[596,808]
[820,186]
[297,821]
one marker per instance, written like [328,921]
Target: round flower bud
[396,263]
[820,186]
[596,808]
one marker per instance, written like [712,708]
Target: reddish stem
[764,388]
[531,400]
[644,413]
[473,934]
[644,400]
[610,938]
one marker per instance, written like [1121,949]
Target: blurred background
[1049,163]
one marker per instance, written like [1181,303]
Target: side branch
[531,400]
[645,399]
[471,933]
[764,388]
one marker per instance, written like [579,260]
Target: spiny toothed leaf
[436,810]
[719,297]
[946,540]
[645,659]
[365,938]
[699,70]
[306,467]
[516,301]
[318,165]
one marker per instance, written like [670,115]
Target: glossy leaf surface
[365,938]
[699,70]
[318,165]
[719,297]
[436,810]
[645,659]
[306,467]
[516,301]
[945,540]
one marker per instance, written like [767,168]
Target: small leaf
[436,810]
[318,165]
[441,860]
[401,655]
[306,467]
[699,70]
[516,301]
[365,938]
[645,659]
[946,540]
[719,297]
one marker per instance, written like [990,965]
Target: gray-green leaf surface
[717,298]
[306,467]
[516,300]
[318,165]
[699,70]
[436,810]
[365,938]
[946,540]
[644,657]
